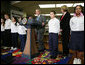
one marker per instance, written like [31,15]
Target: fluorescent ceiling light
[72,14]
[46,14]
[60,14]
[59,5]
[68,5]
[14,2]
[47,5]
[82,4]
[43,14]
[35,15]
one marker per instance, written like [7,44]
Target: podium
[30,46]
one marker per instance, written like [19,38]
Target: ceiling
[30,6]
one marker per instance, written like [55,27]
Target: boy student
[54,28]
[7,30]
[77,34]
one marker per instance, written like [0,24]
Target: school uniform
[77,33]
[22,36]
[2,34]
[54,28]
[8,32]
[14,32]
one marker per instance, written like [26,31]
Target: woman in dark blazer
[65,28]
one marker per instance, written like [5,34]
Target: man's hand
[43,23]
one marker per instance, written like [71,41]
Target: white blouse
[14,28]
[8,24]
[77,23]
[2,28]
[21,30]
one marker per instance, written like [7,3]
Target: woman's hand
[61,30]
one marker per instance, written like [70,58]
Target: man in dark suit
[40,29]
[65,28]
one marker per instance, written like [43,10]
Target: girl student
[22,34]
[77,34]
[2,31]
[14,32]
[7,30]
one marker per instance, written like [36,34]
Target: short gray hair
[38,9]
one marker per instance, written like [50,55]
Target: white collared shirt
[54,25]
[8,24]
[77,23]
[14,27]
[21,30]
[39,15]
[2,28]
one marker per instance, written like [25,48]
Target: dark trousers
[14,39]
[8,41]
[65,41]
[40,35]
[3,37]
[23,41]
[53,43]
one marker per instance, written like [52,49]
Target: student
[22,35]
[2,31]
[65,29]
[54,28]
[7,30]
[14,33]
[77,34]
